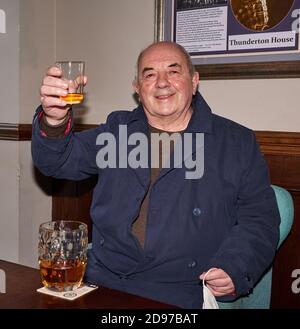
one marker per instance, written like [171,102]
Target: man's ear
[135,86]
[195,81]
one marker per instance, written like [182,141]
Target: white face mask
[209,300]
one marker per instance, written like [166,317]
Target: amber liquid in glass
[63,274]
[73,98]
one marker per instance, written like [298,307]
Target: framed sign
[234,39]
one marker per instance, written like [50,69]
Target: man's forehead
[162,53]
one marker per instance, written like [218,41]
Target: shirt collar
[201,120]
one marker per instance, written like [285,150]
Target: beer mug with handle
[62,254]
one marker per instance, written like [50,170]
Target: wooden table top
[22,283]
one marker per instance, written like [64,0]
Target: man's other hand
[219,282]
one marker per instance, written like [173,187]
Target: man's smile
[163,97]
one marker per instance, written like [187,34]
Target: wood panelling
[22,132]
[279,143]
[282,153]
[81,127]
[15,132]
[72,200]
[256,70]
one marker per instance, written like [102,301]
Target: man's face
[165,85]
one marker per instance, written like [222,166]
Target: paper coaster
[69,295]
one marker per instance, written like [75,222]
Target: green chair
[261,295]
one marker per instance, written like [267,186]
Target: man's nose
[162,80]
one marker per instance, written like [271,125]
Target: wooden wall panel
[282,152]
[15,132]
[72,200]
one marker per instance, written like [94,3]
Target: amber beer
[62,254]
[72,98]
[63,275]
[73,74]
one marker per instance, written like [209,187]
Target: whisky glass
[62,253]
[73,74]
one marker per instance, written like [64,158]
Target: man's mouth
[162,97]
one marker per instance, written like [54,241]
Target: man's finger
[49,102]
[54,71]
[216,274]
[220,294]
[52,91]
[54,82]
[204,273]
[219,282]
[225,289]
[222,291]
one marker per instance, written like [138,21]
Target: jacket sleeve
[251,244]
[71,157]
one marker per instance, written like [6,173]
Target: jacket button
[102,241]
[192,264]
[197,212]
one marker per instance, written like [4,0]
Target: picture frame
[263,66]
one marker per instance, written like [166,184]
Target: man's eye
[173,72]
[149,75]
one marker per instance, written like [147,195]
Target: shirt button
[197,212]
[192,264]
[102,241]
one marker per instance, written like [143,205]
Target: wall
[109,40]
[37,50]
[40,32]
[9,63]
[25,49]
[263,104]
[9,112]
[35,205]
[9,200]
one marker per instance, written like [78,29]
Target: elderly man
[156,231]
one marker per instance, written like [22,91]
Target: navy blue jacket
[227,219]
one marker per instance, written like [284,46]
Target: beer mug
[62,254]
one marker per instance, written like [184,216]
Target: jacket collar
[201,120]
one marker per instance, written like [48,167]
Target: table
[22,283]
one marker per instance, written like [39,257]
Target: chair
[261,295]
